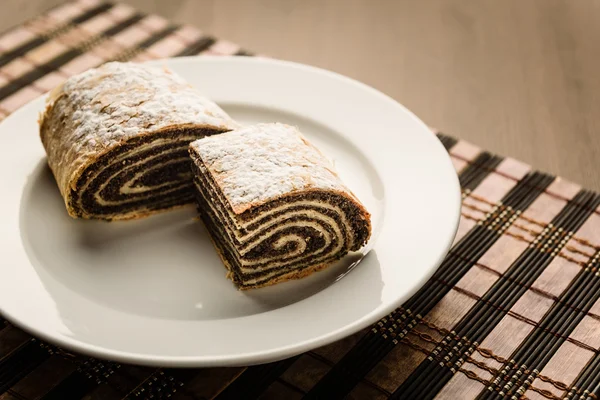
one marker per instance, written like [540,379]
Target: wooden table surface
[517,77]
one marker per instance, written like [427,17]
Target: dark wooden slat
[255,380]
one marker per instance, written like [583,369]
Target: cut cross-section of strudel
[273,205]
[117,139]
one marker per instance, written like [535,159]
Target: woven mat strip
[512,312]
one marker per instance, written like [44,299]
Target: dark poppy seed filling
[273,206]
[117,138]
[147,173]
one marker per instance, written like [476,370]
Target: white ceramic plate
[154,291]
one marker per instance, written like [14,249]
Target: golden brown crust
[102,109]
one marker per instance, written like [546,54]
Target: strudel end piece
[117,139]
[274,206]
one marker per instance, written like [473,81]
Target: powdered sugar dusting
[103,107]
[262,162]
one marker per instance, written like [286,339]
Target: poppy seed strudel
[273,205]
[117,139]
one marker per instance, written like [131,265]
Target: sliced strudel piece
[117,139]
[274,206]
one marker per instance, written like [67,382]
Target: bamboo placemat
[512,312]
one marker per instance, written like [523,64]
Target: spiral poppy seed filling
[146,172]
[117,140]
[273,205]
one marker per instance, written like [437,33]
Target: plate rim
[256,357]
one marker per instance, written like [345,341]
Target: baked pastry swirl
[117,139]
[273,205]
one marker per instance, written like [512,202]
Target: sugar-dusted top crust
[256,164]
[95,111]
